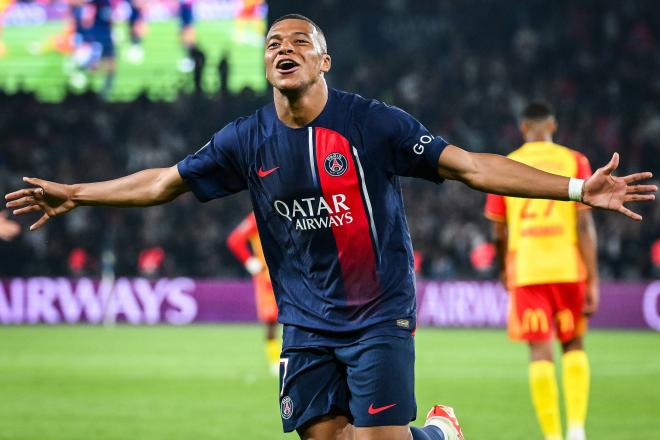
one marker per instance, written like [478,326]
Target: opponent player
[322,169]
[250,23]
[94,45]
[187,35]
[548,251]
[137,28]
[245,245]
[101,34]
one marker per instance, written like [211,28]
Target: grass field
[211,382]
[30,65]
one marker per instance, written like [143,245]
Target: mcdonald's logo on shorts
[534,321]
[566,321]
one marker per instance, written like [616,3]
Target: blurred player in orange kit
[549,265]
[250,25]
[4,5]
[245,245]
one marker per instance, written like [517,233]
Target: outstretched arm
[500,175]
[145,188]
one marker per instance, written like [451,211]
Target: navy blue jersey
[329,209]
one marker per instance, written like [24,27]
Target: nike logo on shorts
[263,173]
[374,411]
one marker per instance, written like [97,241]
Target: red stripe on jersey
[354,242]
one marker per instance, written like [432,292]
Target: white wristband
[253,265]
[575,189]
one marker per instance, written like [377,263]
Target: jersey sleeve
[238,240]
[215,170]
[495,208]
[583,166]
[413,150]
[583,172]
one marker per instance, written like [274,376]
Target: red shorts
[265,298]
[538,312]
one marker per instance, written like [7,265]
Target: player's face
[294,57]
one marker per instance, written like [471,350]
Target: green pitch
[31,63]
[212,383]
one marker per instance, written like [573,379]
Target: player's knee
[327,428]
[573,344]
[383,433]
[540,351]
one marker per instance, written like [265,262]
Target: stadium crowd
[464,69]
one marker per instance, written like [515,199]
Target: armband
[575,189]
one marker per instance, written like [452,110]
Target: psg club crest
[286,407]
[335,164]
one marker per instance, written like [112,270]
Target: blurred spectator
[655,258]
[150,261]
[78,261]
[8,228]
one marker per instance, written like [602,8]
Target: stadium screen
[123,48]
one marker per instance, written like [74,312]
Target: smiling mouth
[286,66]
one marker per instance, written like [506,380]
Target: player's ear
[552,124]
[326,63]
[523,126]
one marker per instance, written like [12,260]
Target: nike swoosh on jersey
[373,410]
[263,173]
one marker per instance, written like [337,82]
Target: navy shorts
[371,382]
[106,46]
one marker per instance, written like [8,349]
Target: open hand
[50,198]
[603,190]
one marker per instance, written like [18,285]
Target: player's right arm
[215,170]
[145,188]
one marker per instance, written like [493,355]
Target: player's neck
[538,137]
[296,110]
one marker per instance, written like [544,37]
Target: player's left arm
[587,242]
[500,240]
[499,175]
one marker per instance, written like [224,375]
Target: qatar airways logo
[315,212]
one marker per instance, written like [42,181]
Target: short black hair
[324,44]
[538,110]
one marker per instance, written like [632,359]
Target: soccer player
[548,254]
[4,6]
[137,28]
[101,34]
[95,47]
[245,245]
[187,35]
[322,169]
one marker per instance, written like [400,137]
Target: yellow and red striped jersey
[542,234]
